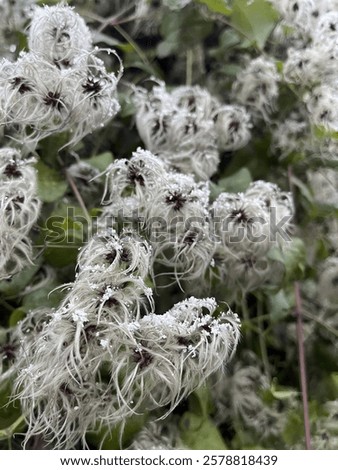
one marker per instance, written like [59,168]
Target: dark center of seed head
[239,215]
[134,176]
[176,199]
[92,86]
[143,358]
[21,84]
[53,100]
[12,171]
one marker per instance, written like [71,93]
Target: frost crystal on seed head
[80,316]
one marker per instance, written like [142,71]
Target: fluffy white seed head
[179,127]
[326,28]
[289,136]
[19,210]
[322,104]
[237,397]
[176,4]
[232,127]
[324,185]
[58,34]
[256,86]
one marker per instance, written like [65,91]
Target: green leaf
[16,284]
[181,31]
[334,378]
[228,39]
[43,296]
[217,6]
[51,184]
[50,148]
[280,305]
[64,232]
[237,182]
[108,40]
[293,257]
[302,188]
[17,426]
[102,161]
[321,133]
[322,162]
[9,409]
[17,315]
[119,437]
[294,428]
[254,20]
[198,432]
[200,402]
[282,393]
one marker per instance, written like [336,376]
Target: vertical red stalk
[302,366]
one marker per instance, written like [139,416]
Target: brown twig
[300,341]
[78,196]
[302,365]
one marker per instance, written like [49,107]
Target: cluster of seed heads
[60,84]
[19,210]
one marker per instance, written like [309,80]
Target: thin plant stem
[189,66]
[7,433]
[137,49]
[78,197]
[246,317]
[320,322]
[302,365]
[262,342]
[300,342]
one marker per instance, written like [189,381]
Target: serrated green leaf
[51,184]
[255,20]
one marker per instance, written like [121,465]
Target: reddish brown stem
[78,196]
[302,365]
